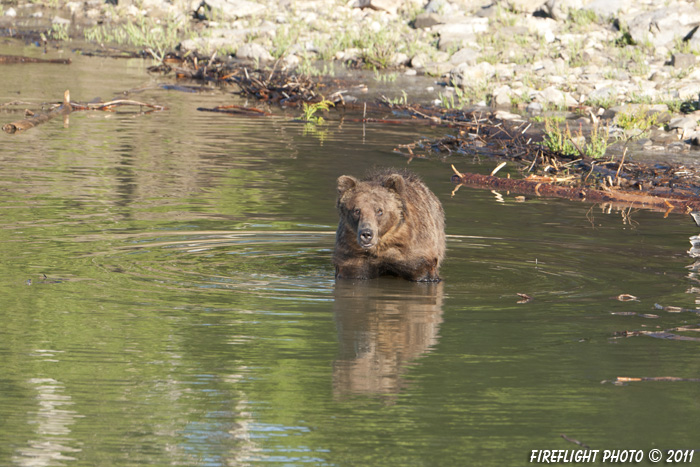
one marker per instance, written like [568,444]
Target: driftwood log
[13,59]
[541,186]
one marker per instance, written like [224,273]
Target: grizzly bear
[390,224]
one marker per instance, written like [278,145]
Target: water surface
[168,298]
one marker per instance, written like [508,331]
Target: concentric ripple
[260,262]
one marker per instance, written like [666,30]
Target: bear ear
[396,183]
[345,182]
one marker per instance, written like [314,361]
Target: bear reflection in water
[383,325]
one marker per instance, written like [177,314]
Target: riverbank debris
[274,86]
[542,171]
[481,132]
[17,59]
[622,380]
[66,107]
[548,187]
[232,109]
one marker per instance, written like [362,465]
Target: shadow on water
[384,325]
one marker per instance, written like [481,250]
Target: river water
[168,299]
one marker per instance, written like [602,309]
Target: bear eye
[356,212]
[380,211]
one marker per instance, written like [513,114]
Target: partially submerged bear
[390,224]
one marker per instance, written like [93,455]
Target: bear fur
[390,224]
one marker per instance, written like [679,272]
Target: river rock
[488,11]
[427,20]
[502,96]
[75,8]
[680,60]
[465,75]
[607,92]
[60,21]
[399,59]
[440,7]
[206,45]
[695,138]
[608,8]
[218,38]
[391,6]
[290,61]
[437,68]
[683,123]
[438,65]
[542,27]
[253,51]
[228,9]
[689,91]
[460,34]
[352,54]
[554,96]
[523,6]
[553,9]
[418,61]
[614,111]
[466,55]
[155,8]
[504,115]
[662,26]
[534,108]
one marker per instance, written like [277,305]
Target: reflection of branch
[575,441]
[675,309]
[659,335]
[67,107]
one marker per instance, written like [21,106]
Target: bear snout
[365,238]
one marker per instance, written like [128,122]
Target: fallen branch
[67,107]
[64,109]
[109,106]
[625,297]
[627,379]
[236,110]
[543,186]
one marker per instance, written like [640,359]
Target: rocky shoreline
[600,59]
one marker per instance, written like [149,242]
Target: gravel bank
[603,58]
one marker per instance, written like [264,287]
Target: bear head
[370,209]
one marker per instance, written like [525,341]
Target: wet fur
[406,221]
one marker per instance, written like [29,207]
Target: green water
[168,299]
